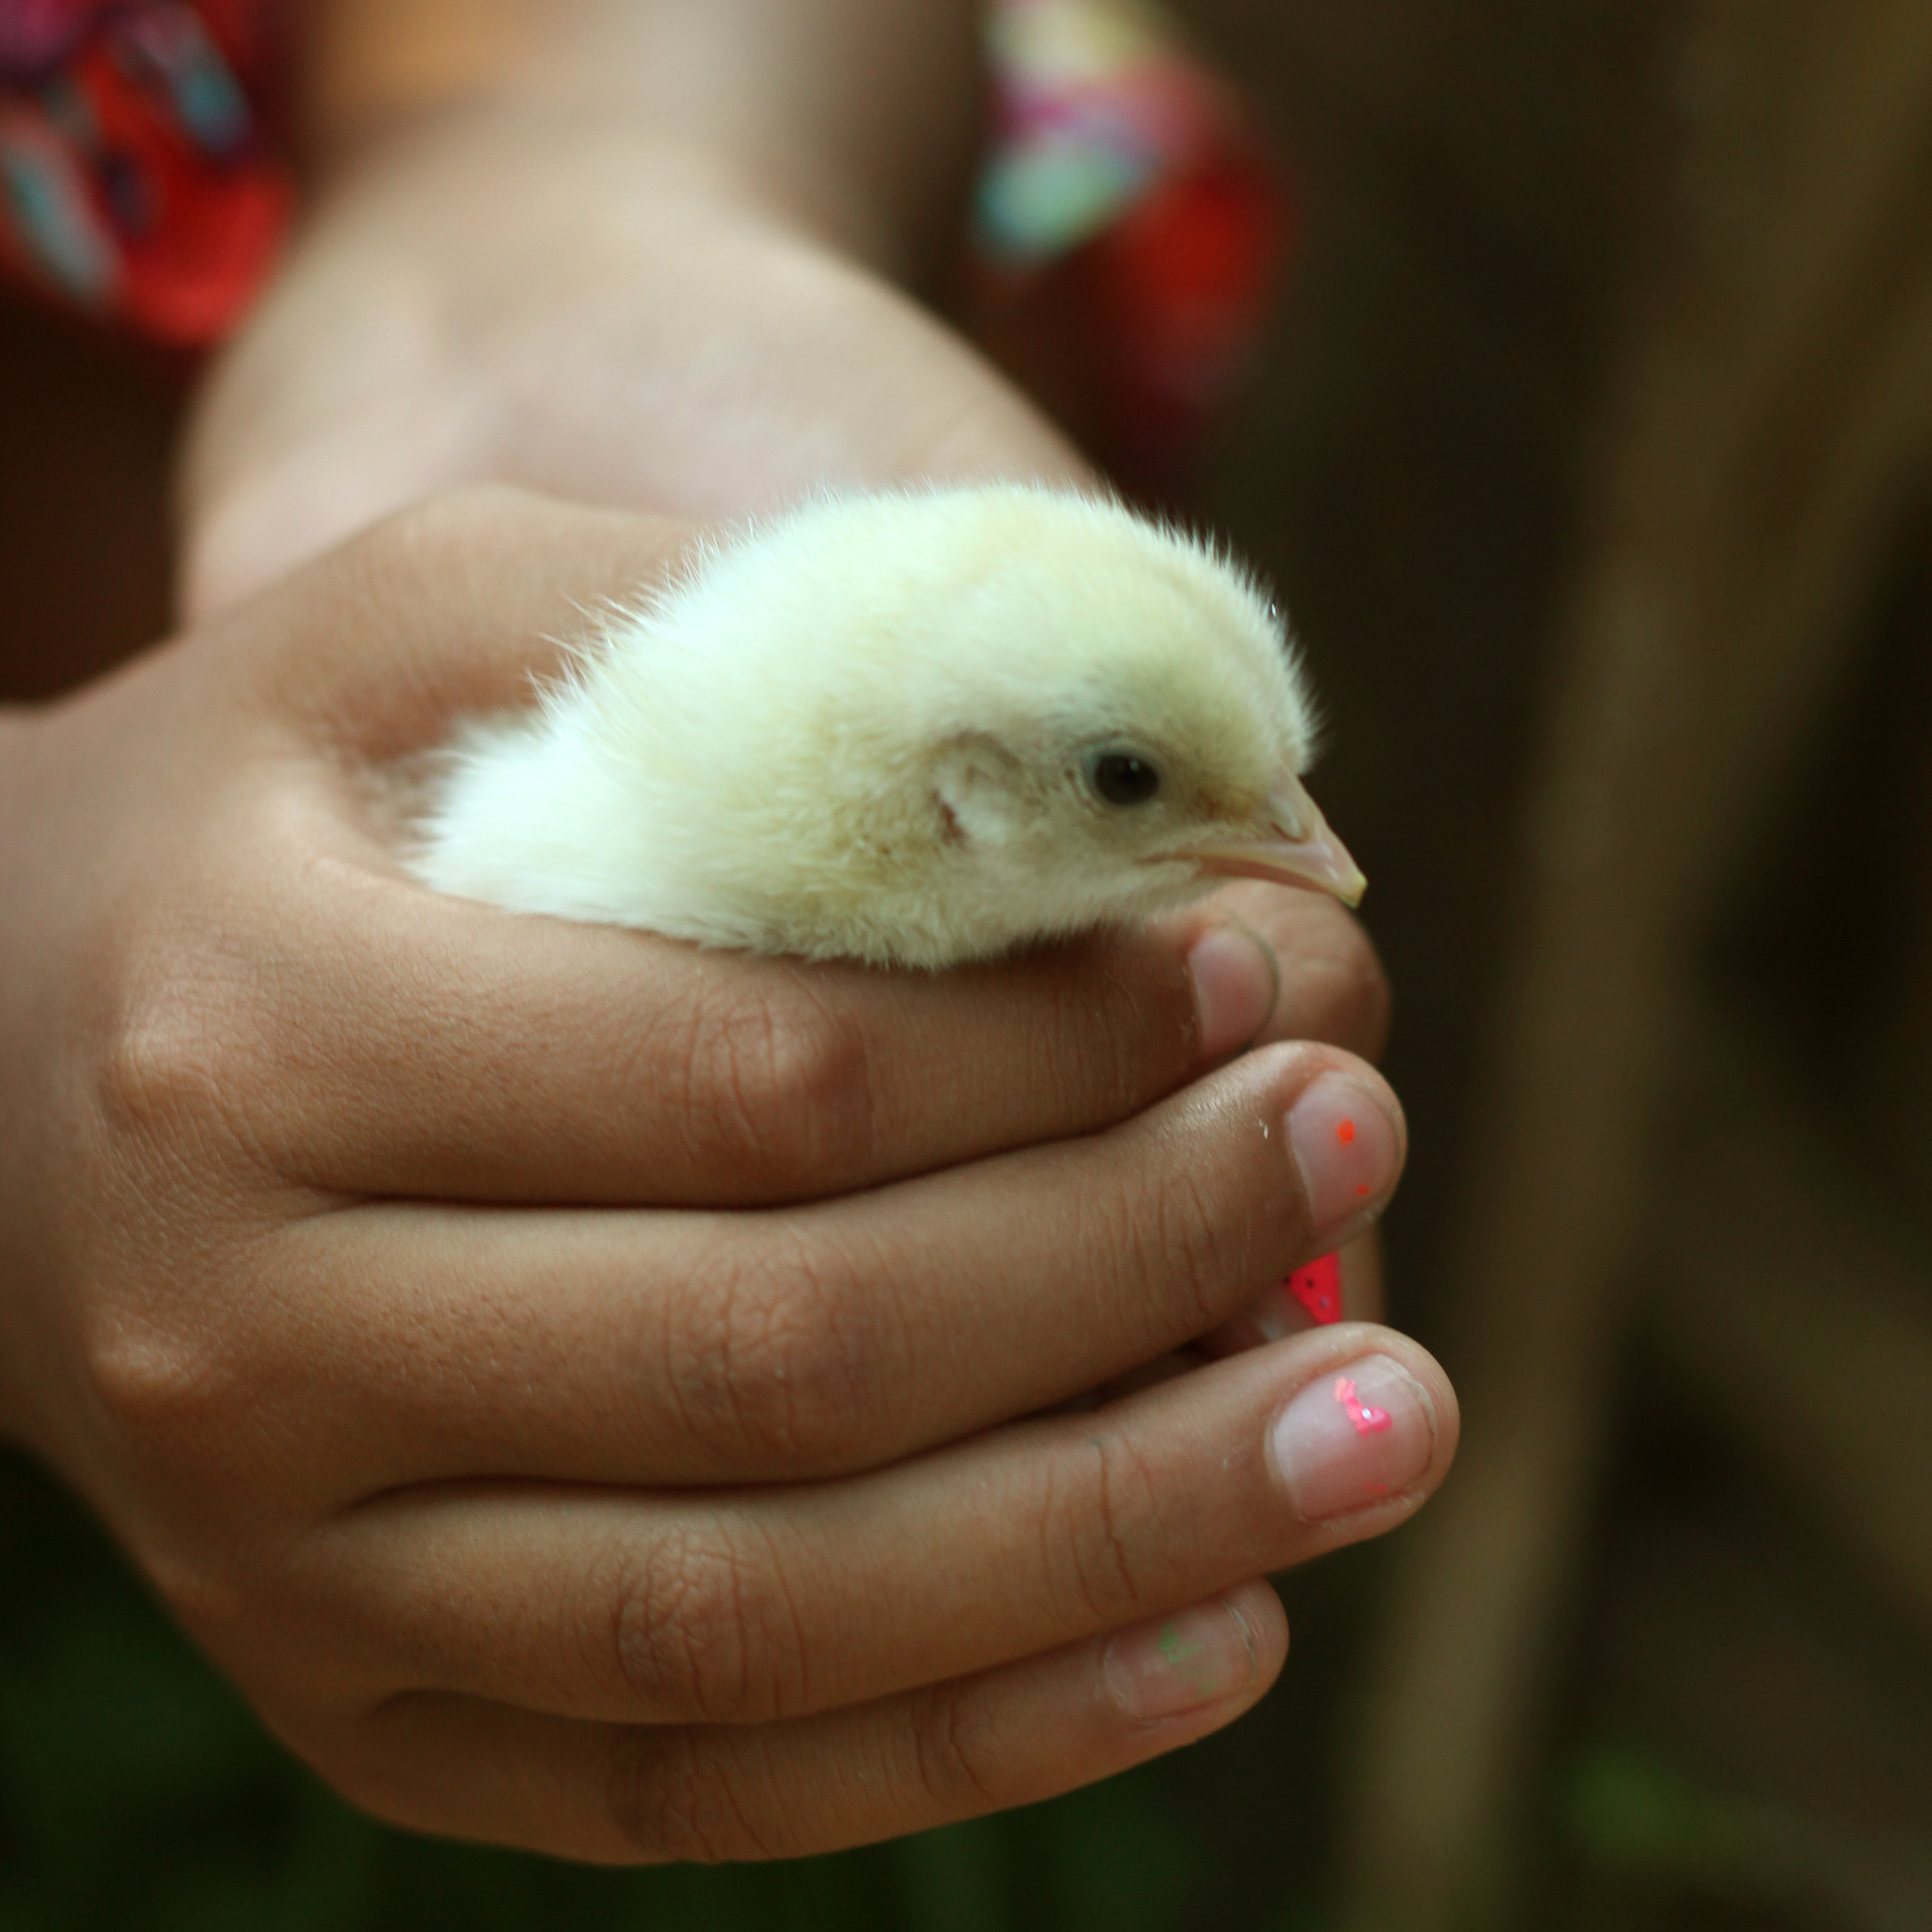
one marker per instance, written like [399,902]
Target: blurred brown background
[1596,457]
[1594,453]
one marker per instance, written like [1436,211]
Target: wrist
[856,121]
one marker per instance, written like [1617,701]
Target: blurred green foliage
[137,1790]
[1644,1844]
[1630,1812]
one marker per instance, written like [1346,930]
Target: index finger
[449,1052]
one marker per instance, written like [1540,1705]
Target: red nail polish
[1318,1287]
[1367,1417]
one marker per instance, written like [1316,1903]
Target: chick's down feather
[912,728]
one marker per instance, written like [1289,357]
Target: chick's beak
[1292,845]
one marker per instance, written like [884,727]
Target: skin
[394,1276]
[679,298]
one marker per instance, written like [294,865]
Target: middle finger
[646,1348]
[451,1051]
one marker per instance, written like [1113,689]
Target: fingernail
[1353,1438]
[1236,983]
[1346,1147]
[1277,1315]
[1174,1664]
[1312,1297]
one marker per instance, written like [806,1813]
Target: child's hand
[574,1383]
[676,304]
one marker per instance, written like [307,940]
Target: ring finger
[762,1604]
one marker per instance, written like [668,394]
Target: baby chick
[913,728]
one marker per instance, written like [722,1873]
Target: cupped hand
[577,305]
[601,1396]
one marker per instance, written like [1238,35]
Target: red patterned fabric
[136,181]
[1131,226]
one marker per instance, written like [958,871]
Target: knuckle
[1150,1050]
[677,1797]
[166,1055]
[701,1632]
[1190,1239]
[781,1086]
[179,1052]
[1179,1243]
[954,1752]
[220,1611]
[794,1357]
[171,1393]
[1124,1005]
[177,1412]
[1087,1530]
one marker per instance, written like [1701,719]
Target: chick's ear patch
[976,785]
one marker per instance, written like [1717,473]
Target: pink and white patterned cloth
[137,181]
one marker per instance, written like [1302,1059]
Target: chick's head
[1063,716]
[1130,725]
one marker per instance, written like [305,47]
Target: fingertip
[1427,1382]
[1349,1141]
[1209,1659]
[1258,1607]
[1332,987]
[1237,984]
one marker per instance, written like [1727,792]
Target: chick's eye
[1122,778]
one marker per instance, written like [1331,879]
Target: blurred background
[1592,446]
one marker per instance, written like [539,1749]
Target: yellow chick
[915,728]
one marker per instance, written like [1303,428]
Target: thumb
[452,606]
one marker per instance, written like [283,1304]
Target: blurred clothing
[1128,233]
[138,181]
[1130,229]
